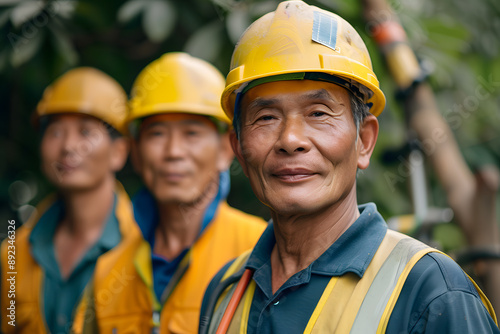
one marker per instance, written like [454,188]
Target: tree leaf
[25,11]
[206,42]
[65,8]
[158,20]
[258,9]
[130,9]
[10,2]
[64,47]
[4,17]
[237,22]
[24,49]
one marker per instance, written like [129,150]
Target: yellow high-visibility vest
[348,304]
[135,308]
[29,281]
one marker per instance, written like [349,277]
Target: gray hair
[359,110]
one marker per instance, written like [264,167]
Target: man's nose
[175,145]
[293,137]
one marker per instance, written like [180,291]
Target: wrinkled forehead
[303,91]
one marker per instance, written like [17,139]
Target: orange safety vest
[29,314]
[348,304]
[129,306]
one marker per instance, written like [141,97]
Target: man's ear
[368,133]
[235,144]
[226,155]
[119,153]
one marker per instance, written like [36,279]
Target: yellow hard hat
[178,83]
[298,38]
[89,91]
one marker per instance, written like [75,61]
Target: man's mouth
[293,174]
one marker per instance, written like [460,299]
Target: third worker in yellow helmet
[181,151]
[78,234]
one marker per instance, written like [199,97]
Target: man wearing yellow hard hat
[181,150]
[304,102]
[80,231]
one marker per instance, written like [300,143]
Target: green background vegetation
[458,41]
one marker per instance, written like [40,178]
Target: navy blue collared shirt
[437,296]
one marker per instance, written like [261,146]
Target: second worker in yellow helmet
[181,151]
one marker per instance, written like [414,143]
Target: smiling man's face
[298,145]
[77,152]
[179,156]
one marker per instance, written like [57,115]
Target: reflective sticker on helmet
[324,30]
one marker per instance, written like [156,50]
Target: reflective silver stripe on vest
[383,285]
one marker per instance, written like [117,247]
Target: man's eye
[154,133]
[266,118]
[54,133]
[85,132]
[318,114]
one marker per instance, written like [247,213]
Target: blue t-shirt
[146,216]
[437,296]
[61,296]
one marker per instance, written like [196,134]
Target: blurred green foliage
[459,41]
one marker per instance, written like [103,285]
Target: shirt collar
[42,235]
[41,238]
[352,252]
[111,235]
[355,248]
[146,209]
